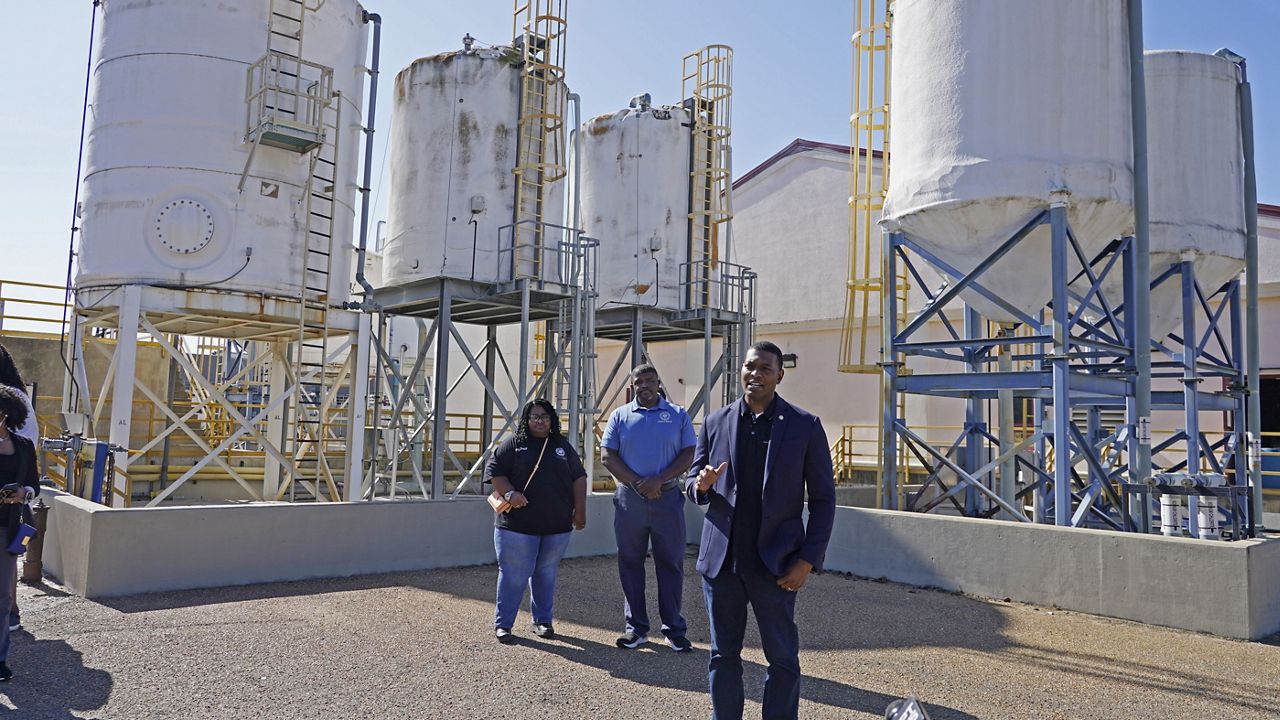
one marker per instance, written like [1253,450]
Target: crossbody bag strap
[536,465]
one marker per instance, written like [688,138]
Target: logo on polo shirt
[664,416]
[560,451]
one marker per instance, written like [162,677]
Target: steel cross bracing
[418,450]
[1071,348]
[210,419]
[1192,462]
[1078,365]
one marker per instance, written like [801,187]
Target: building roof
[796,147]
[800,145]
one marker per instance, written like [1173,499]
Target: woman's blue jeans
[527,560]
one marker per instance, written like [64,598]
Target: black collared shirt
[550,492]
[748,472]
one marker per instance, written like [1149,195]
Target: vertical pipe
[1190,386]
[376,19]
[1244,95]
[1141,240]
[376,421]
[525,329]
[440,428]
[889,376]
[1240,458]
[1061,370]
[1252,352]
[577,349]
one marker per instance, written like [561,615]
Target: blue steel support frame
[1082,356]
[1191,367]
[1060,363]
[889,364]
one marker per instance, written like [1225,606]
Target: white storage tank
[453,153]
[1196,164]
[167,146]
[635,201]
[998,107]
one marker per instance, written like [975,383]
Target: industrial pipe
[1253,422]
[575,255]
[33,564]
[362,249]
[1140,465]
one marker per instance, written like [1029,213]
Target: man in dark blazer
[755,460]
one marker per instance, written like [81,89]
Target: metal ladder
[706,83]
[538,28]
[285,26]
[869,137]
[318,428]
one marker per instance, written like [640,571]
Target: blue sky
[791,79]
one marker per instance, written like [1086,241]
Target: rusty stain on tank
[468,128]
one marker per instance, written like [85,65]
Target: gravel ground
[419,645]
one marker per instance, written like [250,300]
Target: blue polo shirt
[649,439]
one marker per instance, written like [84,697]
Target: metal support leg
[889,376]
[490,371]
[1190,386]
[973,416]
[278,383]
[1139,503]
[122,387]
[637,339]
[1039,496]
[440,428]
[1061,370]
[1009,469]
[357,406]
[525,329]
[1240,507]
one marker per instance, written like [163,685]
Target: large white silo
[453,150]
[170,196]
[1197,175]
[999,109]
[635,201]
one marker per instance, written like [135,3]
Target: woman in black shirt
[540,474]
[19,482]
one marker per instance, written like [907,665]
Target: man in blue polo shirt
[648,446]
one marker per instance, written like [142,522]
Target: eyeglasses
[539,418]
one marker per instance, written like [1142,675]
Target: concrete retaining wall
[1229,589]
[100,552]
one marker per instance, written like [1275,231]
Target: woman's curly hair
[12,407]
[522,430]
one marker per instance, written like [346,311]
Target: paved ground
[418,645]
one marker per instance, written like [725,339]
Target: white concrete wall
[101,552]
[1216,587]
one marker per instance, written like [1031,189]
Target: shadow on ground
[51,680]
